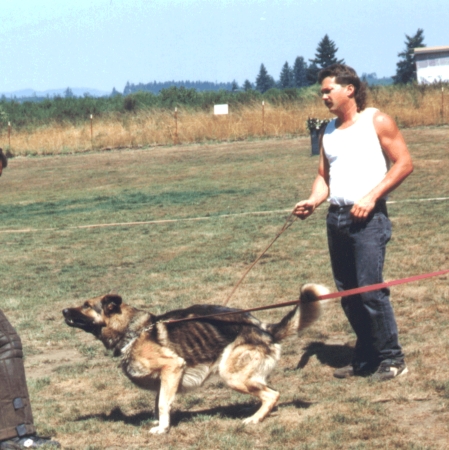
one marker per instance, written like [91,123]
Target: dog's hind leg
[268,397]
[259,389]
[245,369]
[171,375]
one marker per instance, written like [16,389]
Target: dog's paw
[159,430]
[252,420]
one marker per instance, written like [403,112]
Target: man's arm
[395,149]
[320,189]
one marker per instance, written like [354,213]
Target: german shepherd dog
[170,357]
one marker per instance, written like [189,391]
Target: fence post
[176,126]
[91,132]
[9,135]
[263,118]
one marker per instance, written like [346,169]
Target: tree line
[301,74]
[295,84]
[155,87]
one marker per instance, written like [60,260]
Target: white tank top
[356,161]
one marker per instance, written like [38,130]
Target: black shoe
[354,371]
[389,369]
[33,441]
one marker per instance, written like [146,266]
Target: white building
[432,64]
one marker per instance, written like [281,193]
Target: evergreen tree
[286,77]
[263,80]
[234,86]
[247,86]
[325,53]
[324,57]
[406,67]
[127,89]
[300,72]
[68,93]
[312,73]
[114,92]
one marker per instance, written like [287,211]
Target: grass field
[171,226]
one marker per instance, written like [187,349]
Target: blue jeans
[357,252]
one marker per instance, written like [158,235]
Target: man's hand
[362,209]
[304,209]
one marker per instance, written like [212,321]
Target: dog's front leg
[156,409]
[171,375]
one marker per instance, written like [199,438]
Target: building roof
[423,50]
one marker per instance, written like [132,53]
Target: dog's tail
[307,312]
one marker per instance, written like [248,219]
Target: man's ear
[111,303]
[350,89]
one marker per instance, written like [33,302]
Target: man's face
[334,95]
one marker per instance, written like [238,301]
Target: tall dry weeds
[420,106]
[410,107]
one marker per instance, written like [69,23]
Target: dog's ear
[111,303]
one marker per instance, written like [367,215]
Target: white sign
[221,109]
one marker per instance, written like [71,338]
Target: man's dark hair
[346,75]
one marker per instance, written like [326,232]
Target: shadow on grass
[331,355]
[236,411]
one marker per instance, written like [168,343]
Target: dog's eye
[86,306]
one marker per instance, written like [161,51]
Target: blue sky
[101,44]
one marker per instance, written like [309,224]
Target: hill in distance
[30,93]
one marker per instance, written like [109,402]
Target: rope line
[191,219]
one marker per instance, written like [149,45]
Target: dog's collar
[127,345]
[150,327]
[126,342]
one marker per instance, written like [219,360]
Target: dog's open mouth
[73,320]
[74,323]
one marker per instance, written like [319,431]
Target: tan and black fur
[170,357]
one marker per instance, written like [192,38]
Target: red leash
[375,287]
[339,294]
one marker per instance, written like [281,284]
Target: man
[16,420]
[363,157]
